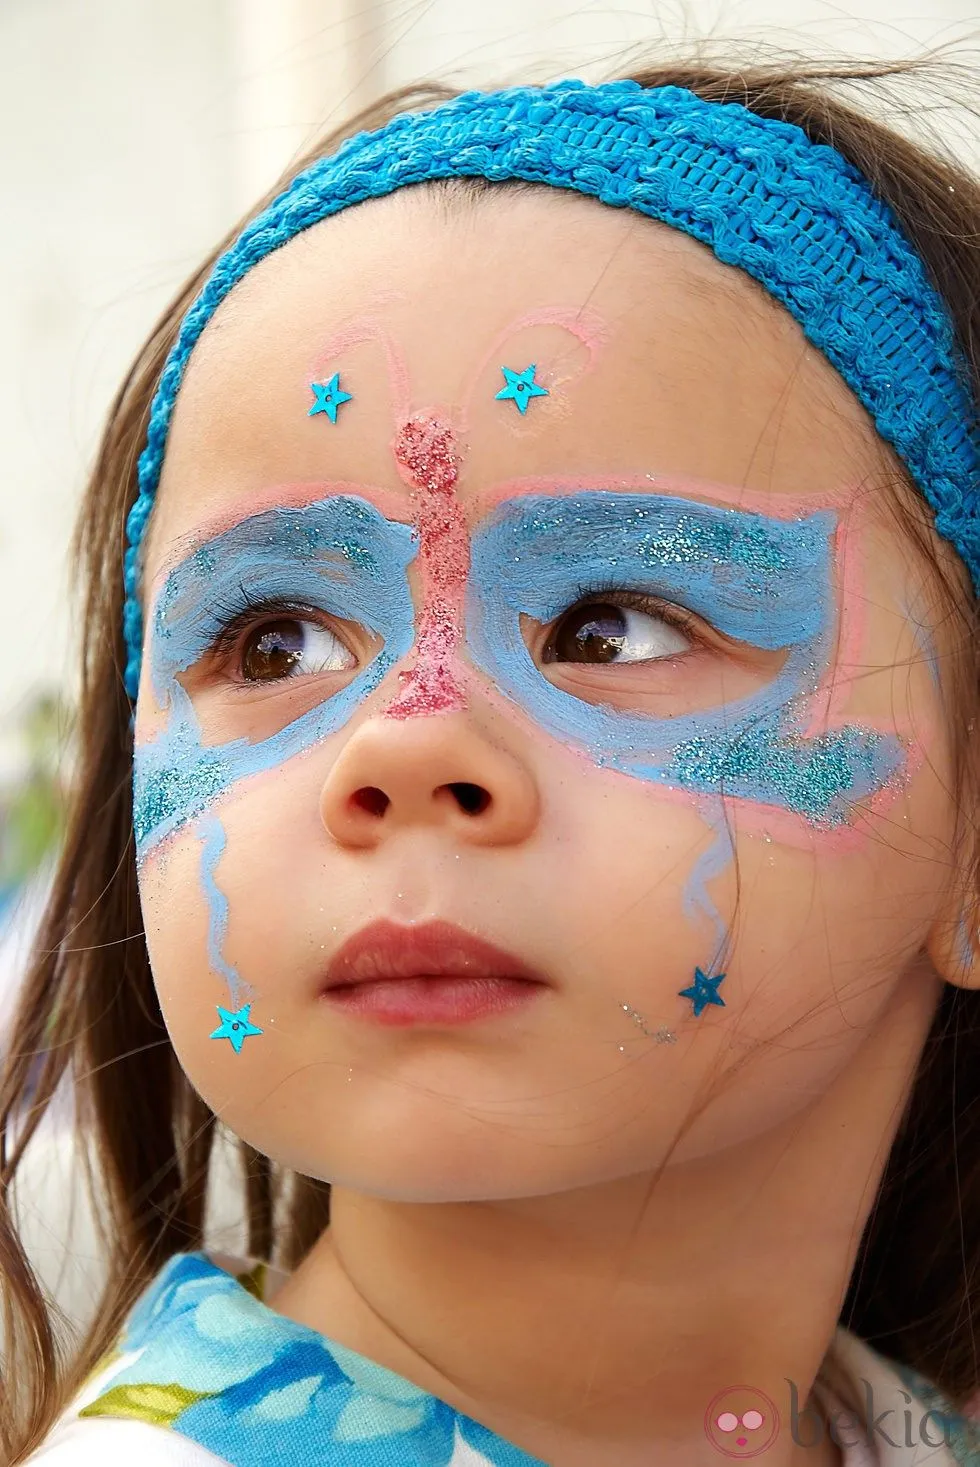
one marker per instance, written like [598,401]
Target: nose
[436,771]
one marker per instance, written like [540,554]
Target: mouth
[431,974]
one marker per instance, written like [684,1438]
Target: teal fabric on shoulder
[200,1355]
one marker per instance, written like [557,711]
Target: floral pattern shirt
[202,1356]
[206,1374]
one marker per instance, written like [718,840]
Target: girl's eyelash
[668,611]
[231,620]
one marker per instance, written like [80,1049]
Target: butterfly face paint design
[759,580]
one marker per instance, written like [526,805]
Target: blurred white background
[134,133]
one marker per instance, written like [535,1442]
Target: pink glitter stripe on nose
[426,454]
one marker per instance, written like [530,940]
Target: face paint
[663,1035]
[425,450]
[213,842]
[709,865]
[340,556]
[367,329]
[964,943]
[521,387]
[759,580]
[925,643]
[588,330]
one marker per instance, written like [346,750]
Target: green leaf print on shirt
[254,1281]
[158,1405]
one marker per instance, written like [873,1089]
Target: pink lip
[436,974]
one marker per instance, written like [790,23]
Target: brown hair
[89,1010]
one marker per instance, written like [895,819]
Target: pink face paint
[426,453]
[355,333]
[584,325]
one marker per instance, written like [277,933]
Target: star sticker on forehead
[329,397]
[235,1026]
[521,386]
[703,991]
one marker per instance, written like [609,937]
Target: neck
[592,1325]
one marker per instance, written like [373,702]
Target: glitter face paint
[427,458]
[759,580]
[340,556]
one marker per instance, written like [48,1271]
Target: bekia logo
[741,1422]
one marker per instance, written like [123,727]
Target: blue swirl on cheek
[341,556]
[759,580]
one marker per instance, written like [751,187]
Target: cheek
[622,854]
[621,894]
[813,938]
[176,920]
[822,941]
[239,920]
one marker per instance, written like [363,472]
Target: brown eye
[290,647]
[602,632]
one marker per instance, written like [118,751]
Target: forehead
[690,369]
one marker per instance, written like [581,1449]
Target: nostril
[472,798]
[370,799]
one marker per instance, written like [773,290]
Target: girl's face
[630,677]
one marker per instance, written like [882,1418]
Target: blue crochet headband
[793,214]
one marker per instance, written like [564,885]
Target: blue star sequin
[329,397]
[703,991]
[521,386]
[236,1027]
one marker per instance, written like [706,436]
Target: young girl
[542,642]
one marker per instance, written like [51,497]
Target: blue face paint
[711,863]
[340,556]
[213,842]
[925,642]
[759,580]
[762,581]
[964,943]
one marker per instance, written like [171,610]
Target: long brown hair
[89,1013]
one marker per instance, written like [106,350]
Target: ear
[953,944]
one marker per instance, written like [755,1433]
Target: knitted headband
[793,214]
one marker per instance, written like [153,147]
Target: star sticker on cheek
[237,1027]
[703,991]
[329,397]
[521,386]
